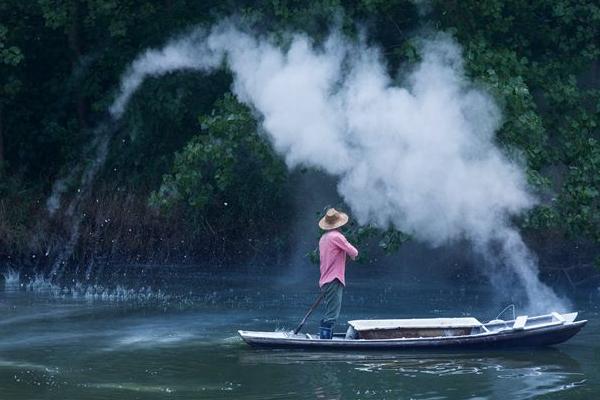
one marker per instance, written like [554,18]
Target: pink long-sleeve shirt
[333,248]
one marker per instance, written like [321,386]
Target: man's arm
[341,242]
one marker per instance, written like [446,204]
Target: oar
[309,312]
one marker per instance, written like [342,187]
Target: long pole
[309,312]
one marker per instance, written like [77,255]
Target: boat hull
[543,336]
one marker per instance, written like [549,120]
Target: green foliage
[388,240]
[535,56]
[10,57]
[160,120]
[367,238]
[227,176]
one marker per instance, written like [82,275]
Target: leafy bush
[227,177]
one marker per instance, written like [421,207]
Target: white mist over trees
[419,156]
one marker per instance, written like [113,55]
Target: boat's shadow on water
[515,374]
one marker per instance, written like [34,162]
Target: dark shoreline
[125,230]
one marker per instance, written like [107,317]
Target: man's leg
[333,304]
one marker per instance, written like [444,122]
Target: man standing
[333,248]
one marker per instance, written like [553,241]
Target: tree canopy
[186,144]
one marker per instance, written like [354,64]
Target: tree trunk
[1,145]
[74,37]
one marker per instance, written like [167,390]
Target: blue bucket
[325,332]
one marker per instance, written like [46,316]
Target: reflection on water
[57,347]
[508,374]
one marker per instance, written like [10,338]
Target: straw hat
[333,219]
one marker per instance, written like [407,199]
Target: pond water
[178,341]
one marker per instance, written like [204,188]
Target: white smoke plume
[419,156]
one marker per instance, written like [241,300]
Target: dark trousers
[334,291]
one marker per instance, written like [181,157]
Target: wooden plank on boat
[414,328]
[420,323]
[405,333]
[520,322]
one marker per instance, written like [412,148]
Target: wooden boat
[542,330]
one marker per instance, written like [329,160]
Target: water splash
[41,284]
[12,277]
